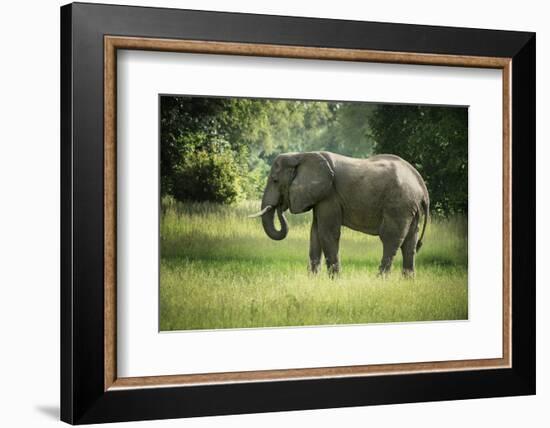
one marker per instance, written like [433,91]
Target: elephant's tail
[426,208]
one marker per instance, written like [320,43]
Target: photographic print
[231,204]
[286,213]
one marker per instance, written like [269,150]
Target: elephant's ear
[313,182]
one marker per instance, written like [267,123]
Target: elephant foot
[383,273]
[408,274]
[314,267]
[333,270]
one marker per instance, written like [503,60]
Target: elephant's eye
[275,179]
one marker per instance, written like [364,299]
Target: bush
[207,176]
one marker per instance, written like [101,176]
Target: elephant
[382,195]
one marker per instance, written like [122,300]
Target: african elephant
[383,195]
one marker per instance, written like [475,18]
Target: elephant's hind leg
[408,249]
[392,233]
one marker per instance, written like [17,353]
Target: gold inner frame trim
[113,43]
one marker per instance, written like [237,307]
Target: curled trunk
[268,222]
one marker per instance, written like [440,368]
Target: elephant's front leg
[329,223]
[331,248]
[314,249]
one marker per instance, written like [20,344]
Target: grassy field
[219,270]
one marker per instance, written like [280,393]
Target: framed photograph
[265,213]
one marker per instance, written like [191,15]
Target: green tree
[186,124]
[207,175]
[221,149]
[349,130]
[249,133]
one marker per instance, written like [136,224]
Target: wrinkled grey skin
[382,195]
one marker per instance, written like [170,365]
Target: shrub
[208,176]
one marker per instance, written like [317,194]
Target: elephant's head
[297,181]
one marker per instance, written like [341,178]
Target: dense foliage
[221,149]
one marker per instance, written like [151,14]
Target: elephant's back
[407,185]
[374,186]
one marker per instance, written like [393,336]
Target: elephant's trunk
[269,224]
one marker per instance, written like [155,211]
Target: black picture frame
[83,398]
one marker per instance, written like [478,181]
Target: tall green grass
[219,270]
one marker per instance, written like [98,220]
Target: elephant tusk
[261,213]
